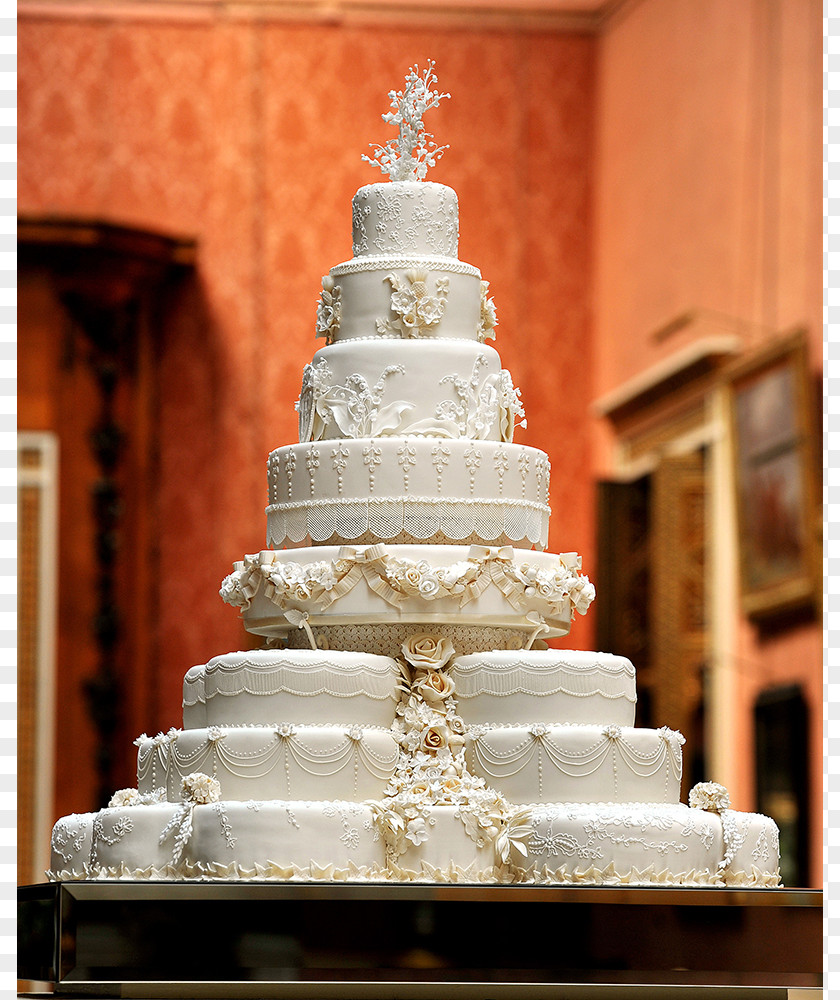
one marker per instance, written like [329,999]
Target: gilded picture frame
[773,431]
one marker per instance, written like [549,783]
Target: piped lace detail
[523,677]
[418,518]
[405,218]
[367,679]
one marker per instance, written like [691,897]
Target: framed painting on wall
[773,430]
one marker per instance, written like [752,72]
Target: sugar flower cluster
[431,770]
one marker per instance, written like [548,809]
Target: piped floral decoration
[328,317]
[487,322]
[418,310]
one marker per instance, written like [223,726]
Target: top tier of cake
[405,280]
[405,217]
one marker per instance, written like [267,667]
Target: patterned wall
[247,135]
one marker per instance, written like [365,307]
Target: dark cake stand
[429,942]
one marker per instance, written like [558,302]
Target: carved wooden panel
[678,602]
[623,604]
[651,594]
[94,299]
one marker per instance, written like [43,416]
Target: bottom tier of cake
[593,844]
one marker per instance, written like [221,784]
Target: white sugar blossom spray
[409,156]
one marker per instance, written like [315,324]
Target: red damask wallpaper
[247,135]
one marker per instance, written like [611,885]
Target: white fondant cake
[510,688]
[408,490]
[236,840]
[70,845]
[286,760]
[407,388]
[405,217]
[568,763]
[379,585]
[263,687]
[404,296]
[410,730]
[637,844]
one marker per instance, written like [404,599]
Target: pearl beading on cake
[253,753]
[499,753]
[375,261]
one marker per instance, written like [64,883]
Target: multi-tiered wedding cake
[407,721]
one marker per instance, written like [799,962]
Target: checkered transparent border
[8,491]
[831,491]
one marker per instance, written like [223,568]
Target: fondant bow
[252,575]
[490,553]
[367,563]
[492,560]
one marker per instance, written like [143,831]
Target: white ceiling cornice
[586,16]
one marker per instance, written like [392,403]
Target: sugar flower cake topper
[409,156]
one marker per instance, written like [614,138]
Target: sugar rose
[434,687]
[427,652]
[456,725]
[434,738]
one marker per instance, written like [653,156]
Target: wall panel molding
[37,615]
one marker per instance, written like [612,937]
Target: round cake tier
[534,593]
[589,844]
[269,686]
[630,844]
[284,761]
[550,685]
[556,763]
[324,840]
[70,845]
[403,388]
[228,839]
[415,489]
[404,297]
[405,217]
